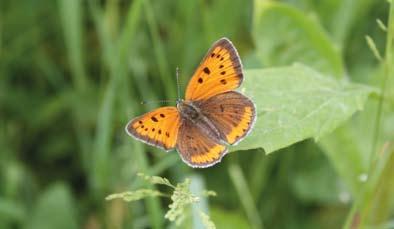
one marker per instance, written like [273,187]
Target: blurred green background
[73,72]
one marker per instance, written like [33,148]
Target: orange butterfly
[211,116]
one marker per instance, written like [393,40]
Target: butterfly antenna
[159,101]
[177,84]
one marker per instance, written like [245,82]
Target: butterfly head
[179,101]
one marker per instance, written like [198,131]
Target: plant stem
[388,62]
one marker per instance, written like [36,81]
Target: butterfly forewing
[197,148]
[158,128]
[220,71]
[232,113]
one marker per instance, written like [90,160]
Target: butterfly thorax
[190,112]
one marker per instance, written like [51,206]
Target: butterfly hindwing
[197,148]
[232,113]
[219,71]
[158,127]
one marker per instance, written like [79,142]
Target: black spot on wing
[223,81]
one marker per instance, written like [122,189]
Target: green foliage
[55,209]
[295,103]
[294,36]
[181,198]
[72,73]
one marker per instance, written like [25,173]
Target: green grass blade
[71,18]
[159,51]
[245,197]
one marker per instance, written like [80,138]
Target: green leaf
[284,35]
[295,103]
[55,209]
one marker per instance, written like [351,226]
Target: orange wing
[232,113]
[197,148]
[220,71]
[158,128]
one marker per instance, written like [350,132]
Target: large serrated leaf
[295,103]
